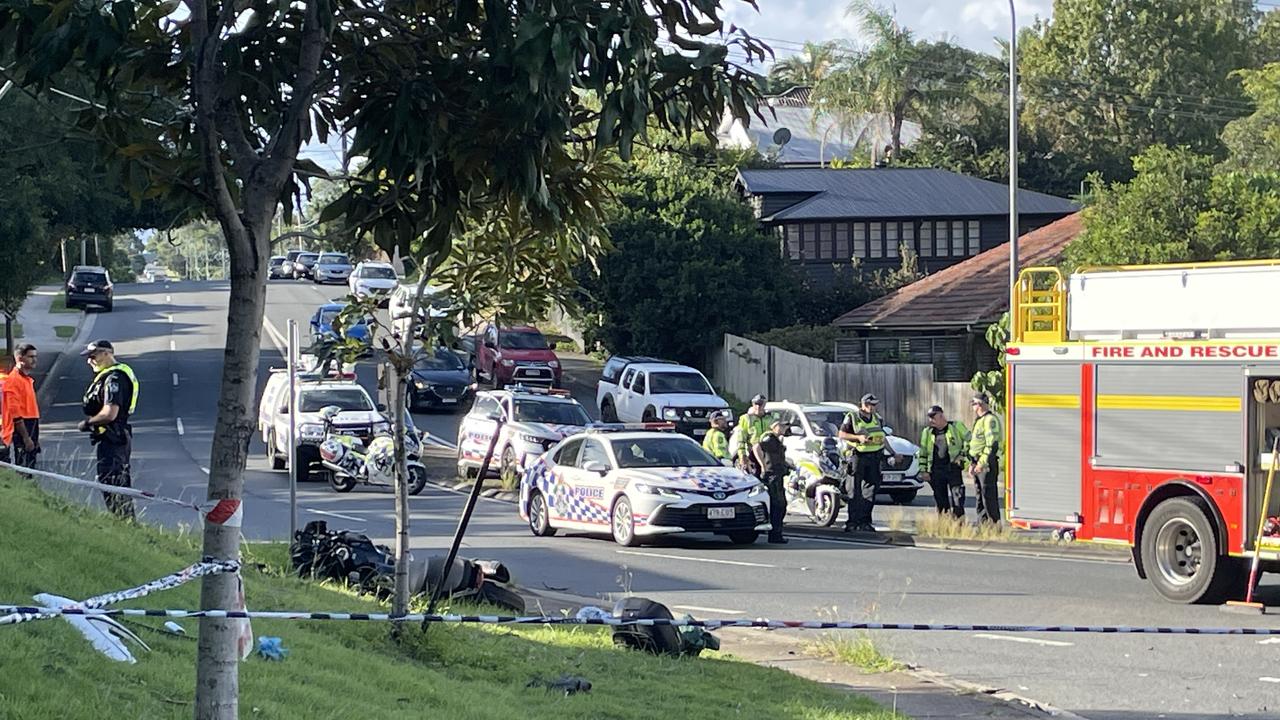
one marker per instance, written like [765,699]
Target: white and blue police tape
[660,622]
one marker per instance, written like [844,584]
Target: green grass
[333,669]
[949,527]
[856,650]
[64,331]
[60,305]
[16,329]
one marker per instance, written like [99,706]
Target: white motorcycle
[350,463]
[815,487]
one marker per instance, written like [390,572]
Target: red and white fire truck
[1142,406]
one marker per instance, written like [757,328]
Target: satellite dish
[781,137]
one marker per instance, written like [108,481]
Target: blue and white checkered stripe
[706,479]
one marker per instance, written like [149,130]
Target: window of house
[792,241]
[941,233]
[810,241]
[842,242]
[975,237]
[957,238]
[891,240]
[909,236]
[825,249]
[860,240]
[877,240]
[926,239]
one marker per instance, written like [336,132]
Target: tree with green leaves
[1254,141]
[806,68]
[24,248]
[1108,78]
[463,111]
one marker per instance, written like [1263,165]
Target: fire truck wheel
[1181,555]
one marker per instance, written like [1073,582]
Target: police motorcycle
[815,485]
[351,463]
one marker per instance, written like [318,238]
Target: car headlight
[421,384]
[311,431]
[670,414]
[507,363]
[553,363]
[758,490]
[648,489]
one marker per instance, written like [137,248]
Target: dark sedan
[440,380]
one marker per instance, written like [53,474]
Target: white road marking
[1270,641]
[168,298]
[718,611]
[173,345]
[170,318]
[175,379]
[696,559]
[277,338]
[181,430]
[204,470]
[333,514]
[1027,640]
[1264,678]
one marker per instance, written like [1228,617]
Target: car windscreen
[523,341]
[333,259]
[441,359]
[661,452]
[826,422]
[89,278]
[378,273]
[555,413]
[353,399]
[668,383]
[308,258]
[276,261]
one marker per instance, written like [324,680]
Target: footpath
[56,331]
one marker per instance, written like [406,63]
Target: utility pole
[1013,156]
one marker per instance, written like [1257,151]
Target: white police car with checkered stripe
[633,482]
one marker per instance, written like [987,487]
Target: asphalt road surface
[173,335]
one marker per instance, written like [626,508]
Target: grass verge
[856,650]
[59,305]
[64,331]
[949,527]
[333,669]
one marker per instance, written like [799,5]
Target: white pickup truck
[641,389]
[359,416]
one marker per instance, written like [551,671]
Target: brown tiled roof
[973,292]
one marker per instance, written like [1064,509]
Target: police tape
[654,622]
[220,512]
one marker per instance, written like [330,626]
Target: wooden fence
[744,367]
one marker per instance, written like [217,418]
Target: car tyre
[304,466]
[622,523]
[508,473]
[743,537]
[1181,556]
[107,307]
[903,497]
[539,515]
[649,416]
[608,413]
[277,460]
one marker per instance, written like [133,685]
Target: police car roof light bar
[630,427]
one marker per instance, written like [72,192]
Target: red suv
[516,355]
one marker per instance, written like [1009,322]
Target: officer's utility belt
[114,434]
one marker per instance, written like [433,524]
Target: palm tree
[806,68]
[886,79]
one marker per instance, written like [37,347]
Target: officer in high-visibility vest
[864,431]
[752,426]
[943,448]
[109,403]
[984,458]
[717,442]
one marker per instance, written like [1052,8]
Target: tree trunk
[400,598]
[217,679]
[896,132]
[8,336]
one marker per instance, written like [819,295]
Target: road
[173,336]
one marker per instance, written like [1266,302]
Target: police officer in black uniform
[108,404]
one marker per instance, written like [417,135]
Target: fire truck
[1142,406]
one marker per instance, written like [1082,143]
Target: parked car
[275,267]
[287,267]
[373,279]
[659,392]
[304,265]
[358,416]
[440,379]
[517,354]
[90,285]
[331,267]
[322,327]
[535,419]
[434,305]
[634,485]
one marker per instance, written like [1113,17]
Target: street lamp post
[1013,154]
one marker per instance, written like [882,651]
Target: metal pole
[293,429]
[1013,153]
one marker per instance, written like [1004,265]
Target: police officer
[717,442]
[773,470]
[943,444]
[864,430]
[752,426]
[984,458]
[109,403]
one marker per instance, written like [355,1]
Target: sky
[971,23]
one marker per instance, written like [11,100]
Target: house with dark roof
[826,218]
[942,319]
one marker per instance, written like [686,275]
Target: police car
[535,420]
[633,482]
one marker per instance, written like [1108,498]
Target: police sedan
[637,483]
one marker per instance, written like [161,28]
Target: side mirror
[494,417]
[795,431]
[595,466]
[329,412]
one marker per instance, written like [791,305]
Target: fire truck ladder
[1040,306]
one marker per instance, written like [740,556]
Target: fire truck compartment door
[1046,441]
[1172,416]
